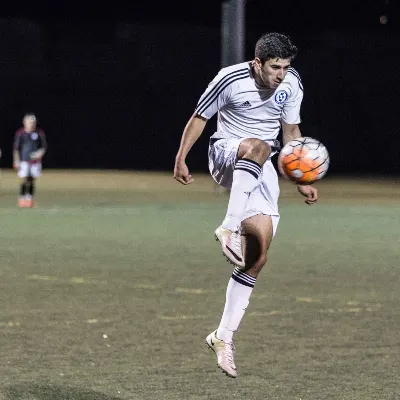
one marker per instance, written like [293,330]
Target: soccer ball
[304,160]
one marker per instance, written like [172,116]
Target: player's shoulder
[293,77]
[40,131]
[19,131]
[241,70]
[241,67]
[293,74]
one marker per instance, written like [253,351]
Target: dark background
[113,85]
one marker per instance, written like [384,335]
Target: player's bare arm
[290,132]
[193,130]
[15,159]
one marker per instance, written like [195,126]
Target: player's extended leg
[251,156]
[257,232]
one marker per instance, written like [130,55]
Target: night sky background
[113,85]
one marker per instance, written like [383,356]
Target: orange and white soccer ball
[304,160]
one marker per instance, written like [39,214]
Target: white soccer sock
[238,293]
[245,180]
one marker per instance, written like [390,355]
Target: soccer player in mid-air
[29,148]
[254,100]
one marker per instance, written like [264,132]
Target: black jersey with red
[28,142]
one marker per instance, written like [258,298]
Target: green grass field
[110,286]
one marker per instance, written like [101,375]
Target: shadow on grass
[31,391]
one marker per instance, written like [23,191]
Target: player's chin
[275,84]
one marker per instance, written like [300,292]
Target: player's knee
[256,266]
[255,149]
[262,260]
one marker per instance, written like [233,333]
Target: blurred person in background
[383,19]
[390,13]
[29,148]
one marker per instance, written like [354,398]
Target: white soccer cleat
[225,354]
[231,243]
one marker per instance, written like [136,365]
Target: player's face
[29,123]
[273,71]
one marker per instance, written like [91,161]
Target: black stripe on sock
[248,170]
[244,276]
[249,166]
[242,282]
[251,162]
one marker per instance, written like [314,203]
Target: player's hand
[36,155]
[181,173]
[16,165]
[310,192]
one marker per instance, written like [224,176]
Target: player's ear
[258,62]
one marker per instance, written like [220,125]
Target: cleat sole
[226,373]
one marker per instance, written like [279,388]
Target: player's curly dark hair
[275,45]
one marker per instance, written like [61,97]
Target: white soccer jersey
[246,110]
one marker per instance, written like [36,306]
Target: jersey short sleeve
[291,109]
[219,92]
[17,140]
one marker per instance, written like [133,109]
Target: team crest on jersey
[34,136]
[281,96]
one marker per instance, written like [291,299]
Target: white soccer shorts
[26,169]
[222,157]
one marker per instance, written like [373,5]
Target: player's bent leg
[251,156]
[255,150]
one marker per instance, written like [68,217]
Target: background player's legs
[257,234]
[251,156]
[30,184]
[25,197]
[23,173]
[23,191]
[35,171]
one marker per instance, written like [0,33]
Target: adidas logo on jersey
[245,104]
